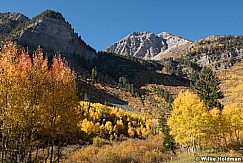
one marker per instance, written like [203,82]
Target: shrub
[98,142]
[133,150]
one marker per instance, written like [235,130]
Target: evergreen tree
[137,95]
[94,74]
[86,98]
[207,88]
[169,143]
[132,89]
[120,80]
[166,95]
[170,100]
[168,68]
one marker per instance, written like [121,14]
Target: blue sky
[103,22]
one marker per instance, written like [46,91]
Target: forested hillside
[220,52]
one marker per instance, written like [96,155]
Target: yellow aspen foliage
[144,132]
[114,120]
[192,125]
[131,131]
[120,126]
[214,129]
[187,118]
[87,126]
[108,127]
[234,118]
[138,132]
[102,130]
[232,85]
[115,129]
[37,103]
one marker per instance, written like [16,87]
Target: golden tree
[234,119]
[37,103]
[187,120]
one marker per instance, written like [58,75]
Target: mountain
[146,45]
[219,52]
[50,30]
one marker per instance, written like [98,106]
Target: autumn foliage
[41,112]
[150,150]
[38,103]
[197,128]
[112,122]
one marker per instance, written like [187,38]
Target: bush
[82,155]
[98,142]
[153,156]
[107,155]
[133,150]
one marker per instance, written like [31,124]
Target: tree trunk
[52,151]
[3,149]
[36,155]
[48,151]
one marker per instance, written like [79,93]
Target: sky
[101,23]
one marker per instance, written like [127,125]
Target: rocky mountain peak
[140,33]
[145,45]
[49,14]
[54,34]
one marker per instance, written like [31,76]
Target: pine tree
[168,143]
[86,98]
[207,88]
[166,95]
[94,74]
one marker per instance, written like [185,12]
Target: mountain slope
[175,51]
[146,45]
[231,84]
[220,52]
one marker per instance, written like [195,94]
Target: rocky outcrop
[146,45]
[207,59]
[9,21]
